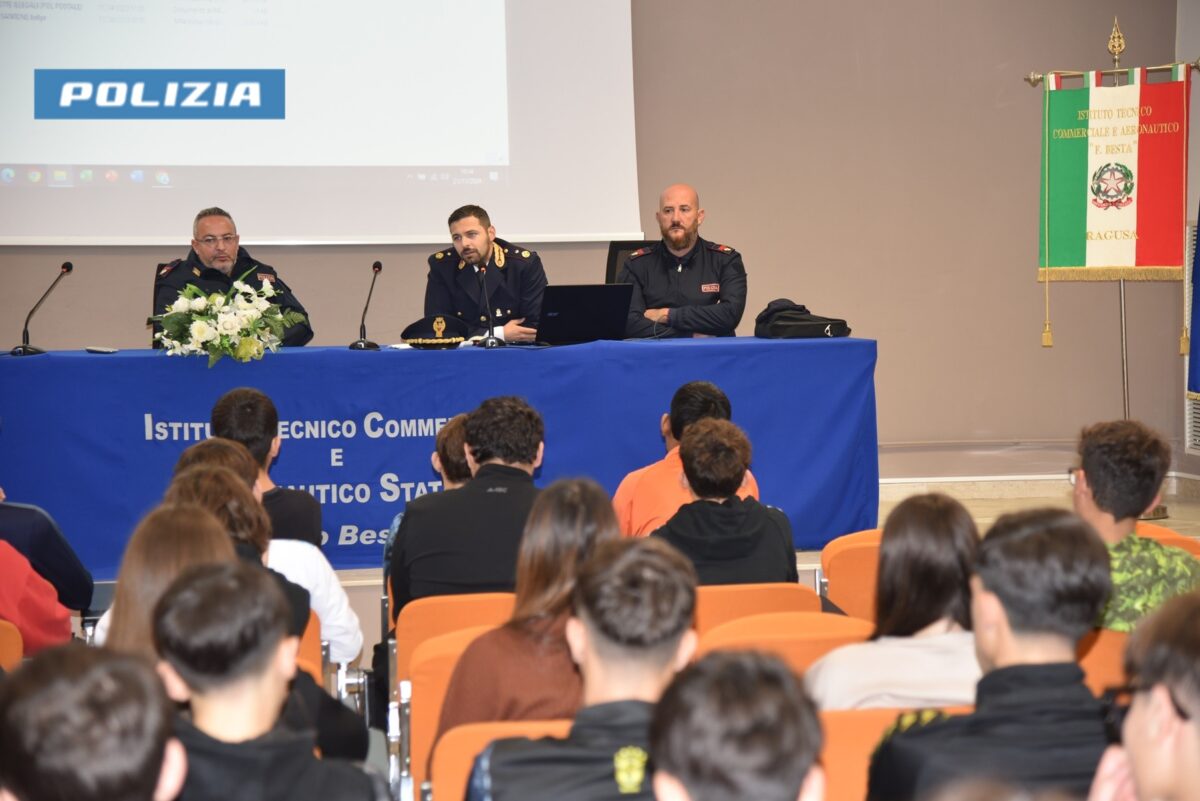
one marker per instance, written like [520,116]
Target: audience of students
[600,627]
[467,540]
[736,724]
[631,631]
[87,724]
[1040,580]
[730,540]
[248,416]
[32,532]
[922,651]
[649,496]
[1120,475]
[222,633]
[523,670]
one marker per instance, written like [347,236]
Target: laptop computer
[573,313]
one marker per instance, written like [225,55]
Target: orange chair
[850,738]
[721,603]
[430,617]
[1101,654]
[850,565]
[12,646]
[309,658]
[1169,537]
[799,638]
[432,665]
[456,751]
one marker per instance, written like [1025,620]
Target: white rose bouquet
[242,323]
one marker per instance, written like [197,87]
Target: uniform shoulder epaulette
[720,248]
[442,254]
[516,252]
[639,252]
[165,269]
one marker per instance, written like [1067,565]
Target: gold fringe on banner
[1111,273]
[1193,396]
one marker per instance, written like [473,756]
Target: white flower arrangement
[242,323]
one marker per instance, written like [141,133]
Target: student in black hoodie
[222,632]
[730,540]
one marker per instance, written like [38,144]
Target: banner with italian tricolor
[1114,177]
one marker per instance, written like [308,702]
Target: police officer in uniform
[683,285]
[514,278]
[214,263]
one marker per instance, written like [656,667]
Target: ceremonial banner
[1193,374]
[1114,178]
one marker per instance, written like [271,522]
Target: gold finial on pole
[1116,44]
[1034,78]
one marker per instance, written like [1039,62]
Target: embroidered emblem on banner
[1112,186]
[629,769]
[710,287]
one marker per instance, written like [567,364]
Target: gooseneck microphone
[25,349]
[362,343]
[490,340]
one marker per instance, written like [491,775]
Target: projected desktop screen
[362,121]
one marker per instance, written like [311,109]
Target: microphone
[362,343]
[490,340]
[25,349]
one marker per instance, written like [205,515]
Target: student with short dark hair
[222,633]
[248,416]
[730,540]
[1160,738]
[634,602]
[1119,477]
[87,724]
[707,737]
[649,496]
[1040,579]
[922,652]
[449,457]
[466,541]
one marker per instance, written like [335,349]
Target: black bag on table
[784,319]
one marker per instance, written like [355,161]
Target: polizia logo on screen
[159,94]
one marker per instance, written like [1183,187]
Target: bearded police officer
[513,276]
[683,285]
[215,261]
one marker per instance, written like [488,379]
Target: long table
[93,438]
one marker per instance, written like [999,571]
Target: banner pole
[1124,354]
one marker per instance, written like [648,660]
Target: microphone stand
[362,343]
[25,349]
[490,340]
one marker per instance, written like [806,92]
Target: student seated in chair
[222,633]
[87,724]
[730,540]
[707,737]
[631,631]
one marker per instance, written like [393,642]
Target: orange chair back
[850,738]
[799,638]
[432,665]
[455,753]
[308,658]
[1169,537]
[851,564]
[721,603]
[12,646]
[1101,654]
[441,614]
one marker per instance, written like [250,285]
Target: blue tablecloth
[93,438]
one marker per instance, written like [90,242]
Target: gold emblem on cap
[629,769]
[439,326]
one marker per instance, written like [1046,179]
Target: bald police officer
[513,276]
[683,285]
